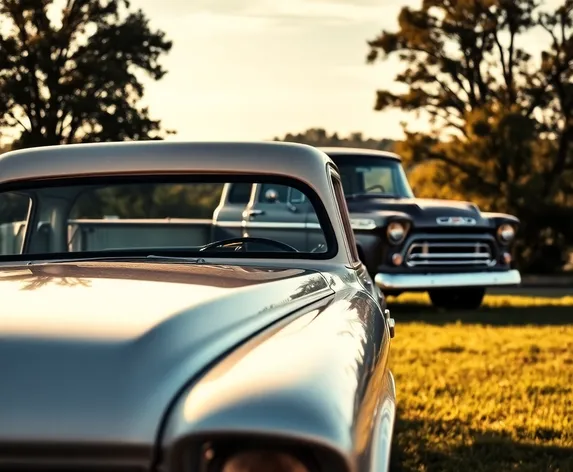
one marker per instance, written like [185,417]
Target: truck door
[278,212]
[315,233]
[228,216]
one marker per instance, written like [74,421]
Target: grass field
[490,390]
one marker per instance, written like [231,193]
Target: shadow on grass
[422,446]
[502,316]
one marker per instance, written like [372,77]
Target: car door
[228,216]
[278,212]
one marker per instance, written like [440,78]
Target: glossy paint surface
[129,363]
[94,352]
[321,378]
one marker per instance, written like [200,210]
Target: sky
[256,69]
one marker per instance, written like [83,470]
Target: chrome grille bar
[435,253]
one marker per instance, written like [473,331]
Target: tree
[76,77]
[146,200]
[320,137]
[501,120]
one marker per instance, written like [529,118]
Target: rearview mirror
[271,195]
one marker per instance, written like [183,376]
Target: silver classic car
[133,337]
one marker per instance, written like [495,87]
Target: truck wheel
[457,299]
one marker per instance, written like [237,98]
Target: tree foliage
[501,118]
[320,137]
[74,74]
[145,200]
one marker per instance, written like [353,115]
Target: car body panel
[331,397]
[119,364]
[118,350]
[350,151]
[423,212]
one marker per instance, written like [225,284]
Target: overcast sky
[260,68]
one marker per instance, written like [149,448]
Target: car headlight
[263,461]
[396,232]
[506,233]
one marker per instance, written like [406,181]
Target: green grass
[490,390]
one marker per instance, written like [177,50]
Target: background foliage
[501,119]
[74,74]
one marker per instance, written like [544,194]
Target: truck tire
[457,299]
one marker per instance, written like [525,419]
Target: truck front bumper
[419,282]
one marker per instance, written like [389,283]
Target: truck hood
[95,352]
[424,212]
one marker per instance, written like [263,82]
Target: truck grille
[436,253]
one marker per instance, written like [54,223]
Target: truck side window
[282,191]
[296,196]
[240,193]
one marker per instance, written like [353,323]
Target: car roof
[266,158]
[82,160]
[347,151]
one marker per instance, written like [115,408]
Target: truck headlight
[263,461]
[396,232]
[506,233]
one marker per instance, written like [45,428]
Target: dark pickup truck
[448,248]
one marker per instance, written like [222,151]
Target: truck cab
[268,211]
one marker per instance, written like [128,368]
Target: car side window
[239,193]
[343,212]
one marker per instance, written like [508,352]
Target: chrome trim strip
[140,221]
[451,244]
[224,224]
[267,225]
[448,255]
[456,221]
[427,281]
[273,225]
[363,223]
[423,253]
[228,224]
[434,263]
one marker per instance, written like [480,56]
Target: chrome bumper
[428,281]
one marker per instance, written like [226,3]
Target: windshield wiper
[174,259]
[190,260]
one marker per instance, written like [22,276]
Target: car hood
[95,352]
[423,211]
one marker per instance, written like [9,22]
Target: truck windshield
[160,215]
[366,175]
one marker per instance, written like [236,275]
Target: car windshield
[370,175]
[173,216]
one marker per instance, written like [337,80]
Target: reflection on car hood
[424,211]
[96,351]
